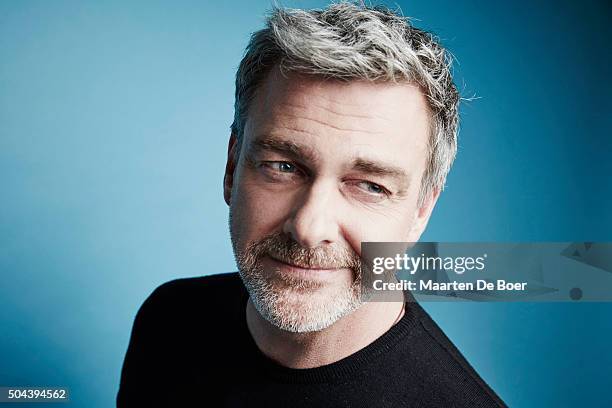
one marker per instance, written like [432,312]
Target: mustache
[283,248]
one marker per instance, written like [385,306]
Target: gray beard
[298,309]
[293,304]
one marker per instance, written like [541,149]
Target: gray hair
[348,41]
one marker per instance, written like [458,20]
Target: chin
[304,311]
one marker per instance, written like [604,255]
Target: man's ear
[422,215]
[230,167]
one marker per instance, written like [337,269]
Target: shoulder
[180,297]
[211,284]
[170,327]
[452,372]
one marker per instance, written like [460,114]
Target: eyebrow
[381,169]
[295,150]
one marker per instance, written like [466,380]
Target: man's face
[323,166]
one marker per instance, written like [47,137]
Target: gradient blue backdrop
[114,121]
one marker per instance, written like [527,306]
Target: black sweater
[190,347]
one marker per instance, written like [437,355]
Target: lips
[297,275]
[310,267]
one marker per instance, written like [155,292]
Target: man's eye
[373,188]
[280,170]
[280,166]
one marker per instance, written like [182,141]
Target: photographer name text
[430,285]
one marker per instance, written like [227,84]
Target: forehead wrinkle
[297,130]
[335,127]
[328,109]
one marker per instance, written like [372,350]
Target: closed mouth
[308,267]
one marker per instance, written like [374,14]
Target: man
[344,131]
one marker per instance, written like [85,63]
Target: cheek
[393,225]
[255,212]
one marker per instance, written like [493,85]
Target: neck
[343,338]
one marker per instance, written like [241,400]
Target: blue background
[114,119]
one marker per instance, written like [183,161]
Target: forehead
[386,120]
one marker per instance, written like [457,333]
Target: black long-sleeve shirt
[190,347]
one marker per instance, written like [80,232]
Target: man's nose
[313,221]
